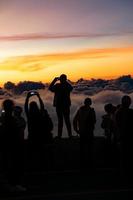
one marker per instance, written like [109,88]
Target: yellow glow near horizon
[87,63]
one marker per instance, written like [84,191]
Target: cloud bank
[39,62]
[47,36]
[99,100]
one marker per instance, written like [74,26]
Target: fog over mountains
[93,86]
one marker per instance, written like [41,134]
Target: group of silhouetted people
[117,124]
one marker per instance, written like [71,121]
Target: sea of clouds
[99,100]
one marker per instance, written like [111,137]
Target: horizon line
[86,79]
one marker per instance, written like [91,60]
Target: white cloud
[99,100]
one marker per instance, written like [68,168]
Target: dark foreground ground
[60,177]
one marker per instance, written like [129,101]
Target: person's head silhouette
[63,78]
[108,108]
[8,106]
[33,107]
[17,111]
[87,102]
[126,101]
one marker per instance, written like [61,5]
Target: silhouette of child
[108,121]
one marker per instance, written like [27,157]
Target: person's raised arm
[70,86]
[40,101]
[26,104]
[51,86]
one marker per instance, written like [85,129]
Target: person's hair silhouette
[126,101]
[8,106]
[62,102]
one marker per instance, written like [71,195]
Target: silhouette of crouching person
[84,123]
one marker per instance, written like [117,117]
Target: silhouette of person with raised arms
[40,124]
[11,146]
[40,128]
[62,102]
[84,124]
[124,122]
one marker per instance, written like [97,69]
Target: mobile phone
[32,93]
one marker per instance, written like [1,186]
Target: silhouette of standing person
[21,125]
[62,102]
[40,128]
[11,146]
[20,121]
[108,124]
[124,122]
[84,124]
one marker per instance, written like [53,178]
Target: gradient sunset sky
[40,39]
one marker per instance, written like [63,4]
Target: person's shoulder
[82,107]
[104,116]
[68,85]
[120,110]
[91,109]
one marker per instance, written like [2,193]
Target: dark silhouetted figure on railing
[124,121]
[11,146]
[62,102]
[40,128]
[84,124]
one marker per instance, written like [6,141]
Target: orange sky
[86,38]
[87,63]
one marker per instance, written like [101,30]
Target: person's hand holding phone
[57,78]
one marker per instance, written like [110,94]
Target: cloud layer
[99,100]
[39,62]
[47,36]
